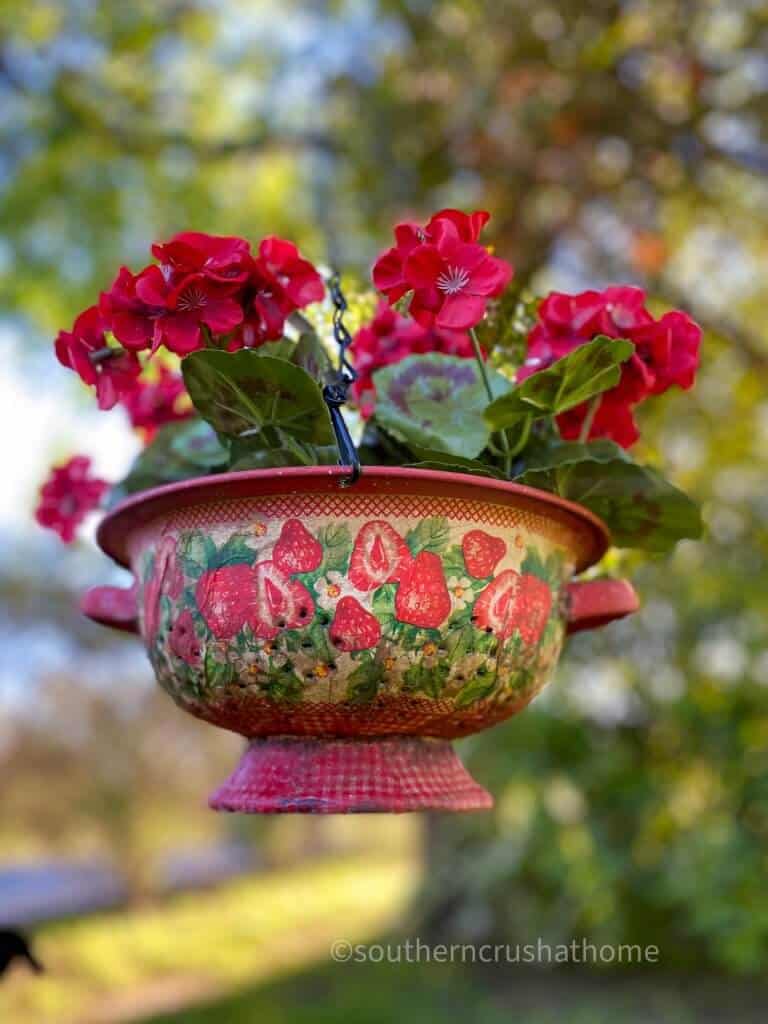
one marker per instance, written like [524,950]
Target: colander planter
[350,633]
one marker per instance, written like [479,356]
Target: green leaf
[436,402]
[283,348]
[197,443]
[430,459]
[640,507]
[508,321]
[161,462]
[253,452]
[311,356]
[431,534]
[557,454]
[244,394]
[587,371]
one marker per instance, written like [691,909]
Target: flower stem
[481,362]
[525,433]
[589,419]
[484,374]
[102,355]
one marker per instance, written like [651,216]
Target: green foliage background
[610,141]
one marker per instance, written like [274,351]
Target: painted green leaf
[577,377]
[237,550]
[383,602]
[549,568]
[431,534]
[640,507]
[453,562]
[244,394]
[197,552]
[217,673]
[422,679]
[283,685]
[436,402]
[336,542]
[476,689]
[364,682]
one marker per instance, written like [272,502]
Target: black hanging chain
[335,391]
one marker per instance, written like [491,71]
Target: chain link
[336,390]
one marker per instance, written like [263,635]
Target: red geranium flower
[221,258]
[299,280]
[453,280]
[389,338]
[155,402]
[388,271]
[666,353]
[265,306]
[185,307]
[280,281]
[68,496]
[130,319]
[114,374]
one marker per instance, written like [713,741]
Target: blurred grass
[380,993]
[118,966]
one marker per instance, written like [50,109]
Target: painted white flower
[257,661]
[394,661]
[460,589]
[430,654]
[331,588]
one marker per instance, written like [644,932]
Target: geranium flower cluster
[390,337]
[159,399]
[68,495]
[214,291]
[448,273]
[666,354]
[204,290]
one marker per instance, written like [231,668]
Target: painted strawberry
[380,555]
[532,608]
[514,601]
[353,628]
[482,553]
[422,598]
[225,598]
[296,549]
[182,639]
[277,602]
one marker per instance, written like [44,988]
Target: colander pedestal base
[291,774]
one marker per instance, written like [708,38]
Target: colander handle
[595,603]
[112,606]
